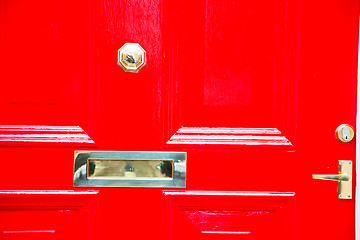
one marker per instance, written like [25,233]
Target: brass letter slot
[130,169]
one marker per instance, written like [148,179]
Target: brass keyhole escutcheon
[344,133]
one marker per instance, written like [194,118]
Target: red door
[251,90]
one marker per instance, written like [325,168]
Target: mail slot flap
[130,169]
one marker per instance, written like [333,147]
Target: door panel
[252,90]
[47,215]
[251,53]
[229,215]
[48,73]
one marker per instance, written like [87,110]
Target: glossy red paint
[12,135]
[252,90]
[48,214]
[229,215]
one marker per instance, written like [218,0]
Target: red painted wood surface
[37,135]
[48,214]
[48,72]
[229,215]
[252,90]
[247,137]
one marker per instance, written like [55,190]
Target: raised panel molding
[44,135]
[229,136]
[229,215]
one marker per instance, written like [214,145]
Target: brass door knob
[131,57]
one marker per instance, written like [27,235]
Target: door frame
[357,189]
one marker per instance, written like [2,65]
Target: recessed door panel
[236,73]
[229,215]
[47,215]
[46,68]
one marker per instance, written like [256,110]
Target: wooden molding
[192,136]
[15,135]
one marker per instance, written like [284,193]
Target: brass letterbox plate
[129,169]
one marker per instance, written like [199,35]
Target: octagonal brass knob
[131,57]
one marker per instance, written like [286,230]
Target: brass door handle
[344,178]
[333,177]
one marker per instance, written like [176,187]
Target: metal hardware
[130,169]
[334,177]
[344,179]
[344,133]
[131,57]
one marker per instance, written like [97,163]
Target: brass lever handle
[333,177]
[344,179]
